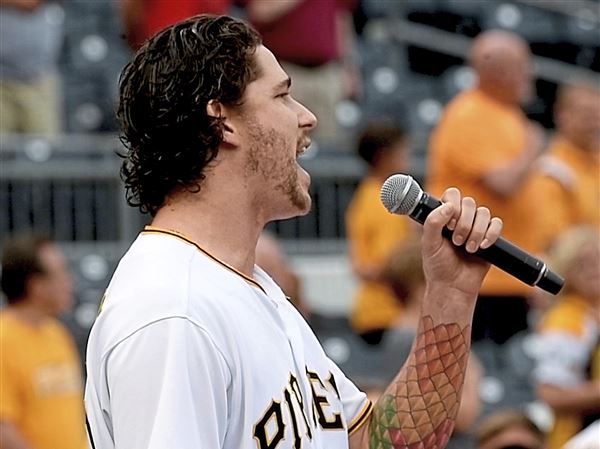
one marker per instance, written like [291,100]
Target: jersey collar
[157,230]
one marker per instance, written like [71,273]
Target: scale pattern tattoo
[418,410]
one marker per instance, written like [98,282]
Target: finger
[452,195]
[493,232]
[464,223]
[480,226]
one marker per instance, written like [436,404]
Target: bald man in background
[486,146]
[572,164]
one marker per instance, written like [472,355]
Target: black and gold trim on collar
[156,230]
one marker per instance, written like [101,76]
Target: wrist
[446,303]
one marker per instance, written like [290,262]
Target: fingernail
[471,246]
[452,224]
[458,239]
[447,209]
[485,244]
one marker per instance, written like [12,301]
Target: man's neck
[28,313]
[497,96]
[227,230]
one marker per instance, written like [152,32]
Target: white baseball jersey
[188,353]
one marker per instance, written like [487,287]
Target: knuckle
[462,229]
[476,234]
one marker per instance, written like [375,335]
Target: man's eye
[284,94]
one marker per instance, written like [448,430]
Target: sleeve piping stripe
[360,418]
[89,432]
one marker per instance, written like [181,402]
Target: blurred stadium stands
[412,55]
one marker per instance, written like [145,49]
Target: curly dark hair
[168,135]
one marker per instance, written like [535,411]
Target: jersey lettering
[295,388]
[320,403]
[270,430]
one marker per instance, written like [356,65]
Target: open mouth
[303,148]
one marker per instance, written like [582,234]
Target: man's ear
[230,136]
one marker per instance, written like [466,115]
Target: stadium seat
[456,79]
[589,57]
[473,9]
[582,29]
[446,20]
[376,9]
[533,24]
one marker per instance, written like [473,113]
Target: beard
[269,160]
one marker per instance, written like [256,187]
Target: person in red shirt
[313,40]
[144,18]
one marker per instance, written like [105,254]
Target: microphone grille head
[400,194]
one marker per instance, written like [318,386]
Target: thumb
[432,228]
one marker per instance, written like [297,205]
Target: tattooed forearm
[419,408]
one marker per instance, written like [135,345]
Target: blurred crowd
[544,184]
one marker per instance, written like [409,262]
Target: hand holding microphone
[402,195]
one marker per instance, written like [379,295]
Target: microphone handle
[503,254]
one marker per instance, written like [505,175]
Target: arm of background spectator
[25,5]
[470,404]
[508,178]
[265,11]
[348,54]
[11,437]
[131,13]
[582,398]
[359,227]
[360,252]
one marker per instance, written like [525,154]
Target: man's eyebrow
[286,83]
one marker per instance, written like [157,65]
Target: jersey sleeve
[168,388]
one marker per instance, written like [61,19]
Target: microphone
[402,195]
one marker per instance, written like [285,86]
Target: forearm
[12,438]
[505,180]
[583,398]
[362,261]
[470,404]
[131,13]
[366,272]
[24,5]
[345,35]
[265,11]
[421,404]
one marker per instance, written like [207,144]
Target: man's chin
[305,210]
[300,206]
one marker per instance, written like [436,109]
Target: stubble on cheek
[267,158]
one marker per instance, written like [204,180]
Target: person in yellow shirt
[485,146]
[573,160]
[567,370]
[41,397]
[373,232]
